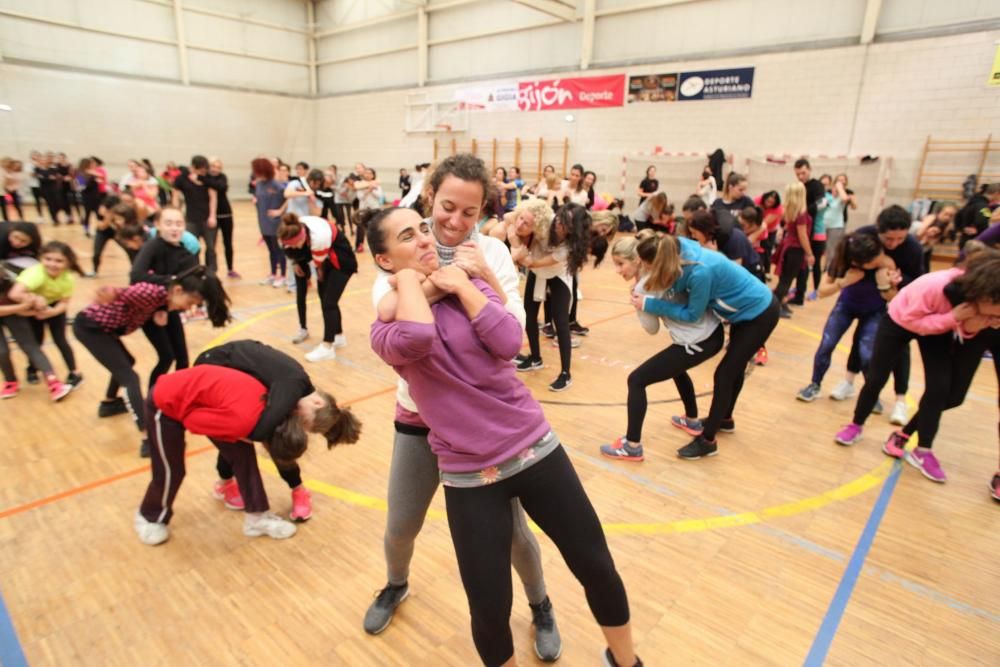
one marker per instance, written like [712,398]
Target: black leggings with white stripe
[110,352]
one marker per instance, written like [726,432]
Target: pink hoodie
[923,308]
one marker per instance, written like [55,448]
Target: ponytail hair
[666,265]
[854,250]
[289,227]
[336,424]
[289,441]
[64,250]
[198,280]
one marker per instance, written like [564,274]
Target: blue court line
[11,654]
[835,612]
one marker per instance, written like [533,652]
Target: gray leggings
[20,329]
[413,481]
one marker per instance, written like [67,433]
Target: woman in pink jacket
[953,315]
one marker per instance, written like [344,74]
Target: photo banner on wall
[578,93]
[716,84]
[500,97]
[652,88]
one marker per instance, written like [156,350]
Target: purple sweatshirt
[461,378]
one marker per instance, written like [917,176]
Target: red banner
[580,93]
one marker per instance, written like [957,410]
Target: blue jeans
[837,324]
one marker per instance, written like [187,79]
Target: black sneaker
[608,660]
[561,383]
[548,643]
[32,375]
[379,614]
[74,380]
[727,425]
[578,329]
[144,448]
[697,449]
[111,408]
[785,312]
[549,330]
[528,364]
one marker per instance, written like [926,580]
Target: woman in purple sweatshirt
[491,438]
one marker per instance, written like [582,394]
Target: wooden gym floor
[746,558]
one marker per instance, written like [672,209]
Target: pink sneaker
[228,491]
[925,461]
[58,390]
[849,435]
[895,446]
[10,390]
[302,504]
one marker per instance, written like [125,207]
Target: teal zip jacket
[711,280]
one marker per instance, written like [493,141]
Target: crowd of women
[450,320]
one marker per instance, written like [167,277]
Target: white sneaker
[900,415]
[269,280]
[150,533]
[321,353]
[843,391]
[266,523]
[290,283]
[340,340]
[277,281]
[302,335]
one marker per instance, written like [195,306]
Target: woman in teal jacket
[737,296]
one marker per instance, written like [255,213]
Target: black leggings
[110,352]
[671,363]
[276,257]
[481,526]
[36,192]
[900,372]
[101,238]
[745,338]
[57,327]
[292,475]
[572,298]
[226,227]
[20,329]
[802,284]
[331,286]
[169,343]
[91,205]
[559,296]
[791,262]
[15,201]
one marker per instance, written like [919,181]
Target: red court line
[77,490]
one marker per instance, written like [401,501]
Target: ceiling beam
[550,7]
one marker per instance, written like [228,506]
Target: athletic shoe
[379,614]
[578,329]
[321,353]
[74,380]
[812,296]
[561,383]
[900,415]
[90,274]
[144,448]
[843,391]
[548,644]
[809,393]
[727,425]
[925,461]
[574,342]
[995,487]
[228,491]
[301,336]
[266,523]
[761,358]
[895,446]
[10,390]
[269,280]
[302,504]
[57,390]
[233,275]
[785,312]
[849,435]
[878,408]
[529,364]
[340,340]
[689,426]
[792,293]
[623,450]
[150,533]
[277,281]
[198,314]
[548,330]
[31,375]
[111,408]
[608,660]
[697,449]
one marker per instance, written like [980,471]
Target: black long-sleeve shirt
[158,262]
[285,379]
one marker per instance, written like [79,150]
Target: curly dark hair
[576,220]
